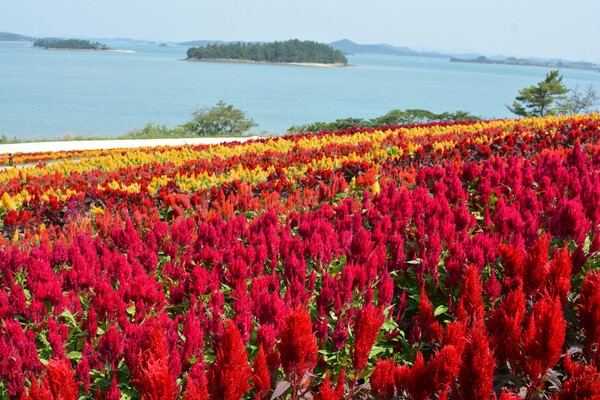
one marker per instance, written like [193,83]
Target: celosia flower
[402,378]
[340,334]
[513,263]
[193,333]
[83,372]
[229,374]
[113,392]
[110,346]
[367,324]
[415,380]
[492,288]
[196,387]
[589,308]
[543,337]
[18,356]
[195,392]
[583,382]
[321,328]
[559,277]
[57,335]
[426,319]
[444,367]
[422,380]
[37,392]
[383,385]
[58,383]
[91,323]
[61,380]
[261,377]
[455,335]
[386,290]
[536,266]
[569,221]
[153,377]
[506,325]
[470,293]
[266,337]
[297,346]
[242,305]
[326,392]
[397,261]
[476,374]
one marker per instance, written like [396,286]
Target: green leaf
[208,358]
[440,310]
[131,310]
[376,350]
[44,340]
[69,317]
[74,355]
[389,325]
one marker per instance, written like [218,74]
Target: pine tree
[536,100]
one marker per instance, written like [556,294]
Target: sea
[53,94]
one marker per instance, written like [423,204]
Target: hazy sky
[538,28]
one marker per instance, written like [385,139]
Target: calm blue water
[53,93]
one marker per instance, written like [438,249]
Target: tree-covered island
[288,52]
[70,44]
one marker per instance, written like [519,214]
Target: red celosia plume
[298,345]
[229,374]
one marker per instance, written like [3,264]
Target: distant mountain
[349,47]
[14,37]
[201,43]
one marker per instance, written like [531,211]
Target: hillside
[14,37]
[349,47]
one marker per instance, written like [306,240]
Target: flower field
[437,261]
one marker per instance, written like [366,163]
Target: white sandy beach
[110,144]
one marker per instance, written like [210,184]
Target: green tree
[537,100]
[220,120]
[392,118]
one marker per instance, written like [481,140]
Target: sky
[517,28]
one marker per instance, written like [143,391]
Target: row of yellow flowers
[120,158]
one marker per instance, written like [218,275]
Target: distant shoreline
[231,60]
[525,62]
[98,51]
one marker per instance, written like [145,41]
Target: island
[288,52]
[535,63]
[70,44]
